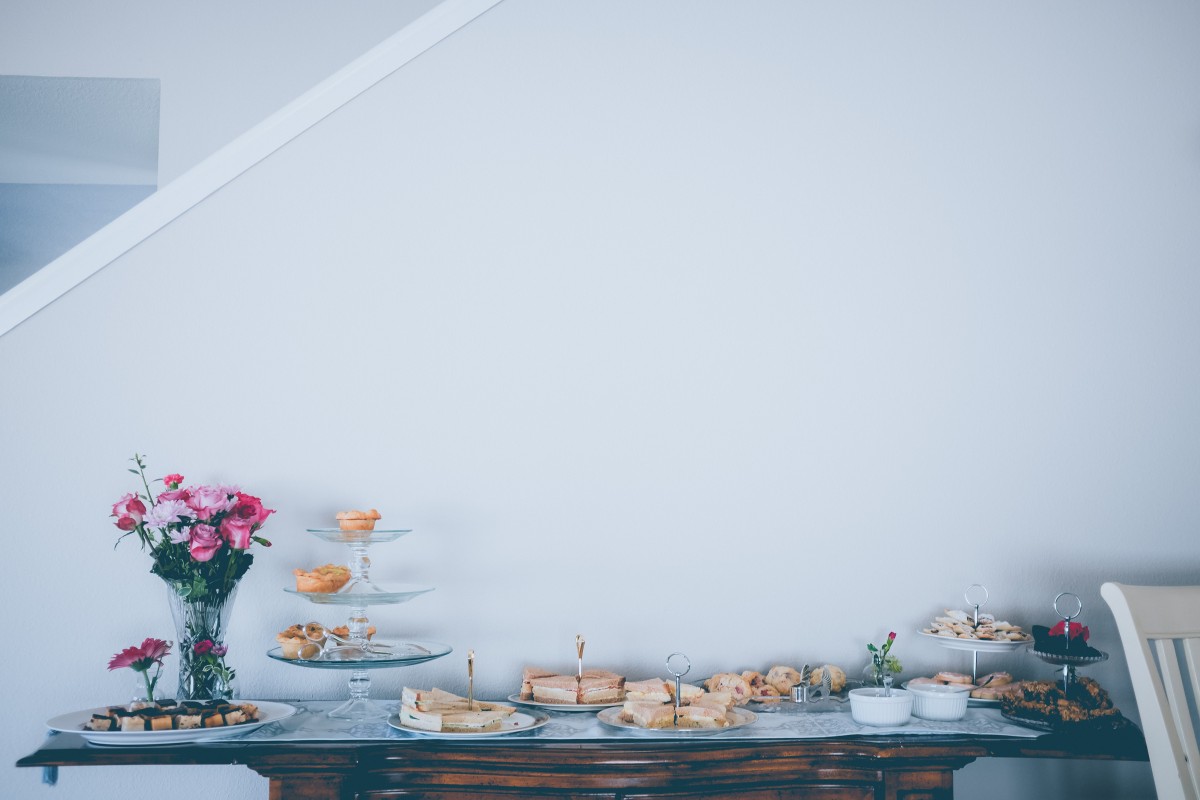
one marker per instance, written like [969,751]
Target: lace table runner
[791,722]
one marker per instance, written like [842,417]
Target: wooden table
[883,768]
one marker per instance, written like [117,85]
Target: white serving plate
[268,712]
[518,722]
[576,707]
[738,718]
[976,645]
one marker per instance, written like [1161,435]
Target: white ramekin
[872,707]
[945,703]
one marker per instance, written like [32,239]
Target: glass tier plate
[738,718]
[402,654]
[73,723]
[358,537]
[1066,660]
[976,645]
[362,594]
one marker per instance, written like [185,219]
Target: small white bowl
[937,702]
[872,707]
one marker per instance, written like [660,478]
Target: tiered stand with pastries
[357,652]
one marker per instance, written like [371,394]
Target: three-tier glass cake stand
[359,652]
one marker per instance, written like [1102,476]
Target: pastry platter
[977,645]
[268,712]
[575,707]
[518,722]
[738,718]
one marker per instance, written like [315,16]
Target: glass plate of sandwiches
[174,723]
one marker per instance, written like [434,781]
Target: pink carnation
[173,481]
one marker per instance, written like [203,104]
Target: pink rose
[128,511]
[183,495]
[236,532]
[207,501]
[203,646]
[249,510]
[173,481]
[205,542]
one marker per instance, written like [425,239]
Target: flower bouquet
[199,538]
[884,665]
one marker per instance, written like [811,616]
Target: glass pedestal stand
[358,651]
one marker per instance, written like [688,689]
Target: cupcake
[357,520]
[326,580]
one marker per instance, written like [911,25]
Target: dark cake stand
[1065,658]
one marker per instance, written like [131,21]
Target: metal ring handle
[1078,606]
[967,595]
[674,657]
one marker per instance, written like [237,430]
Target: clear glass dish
[362,594]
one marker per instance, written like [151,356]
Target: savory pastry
[996,692]
[358,520]
[326,579]
[994,679]
[783,678]
[343,632]
[733,683]
[294,643]
[837,677]
[953,677]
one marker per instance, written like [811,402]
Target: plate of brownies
[168,722]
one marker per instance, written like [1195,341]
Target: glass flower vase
[878,675]
[201,621]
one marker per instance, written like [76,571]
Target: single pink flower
[129,511]
[207,501]
[219,650]
[173,480]
[236,532]
[249,509]
[183,495]
[203,646]
[141,658]
[205,542]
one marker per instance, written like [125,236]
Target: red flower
[1077,630]
[249,511]
[203,646]
[173,480]
[151,651]
[892,636]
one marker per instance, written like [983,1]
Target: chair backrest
[1155,624]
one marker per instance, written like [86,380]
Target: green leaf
[134,471]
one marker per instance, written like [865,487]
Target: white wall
[775,325]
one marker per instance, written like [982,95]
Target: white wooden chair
[1155,623]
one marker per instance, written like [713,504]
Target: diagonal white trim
[143,220]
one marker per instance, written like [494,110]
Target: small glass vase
[878,676]
[200,627]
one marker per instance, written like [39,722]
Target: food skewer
[470,680]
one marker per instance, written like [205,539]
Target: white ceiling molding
[143,220]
